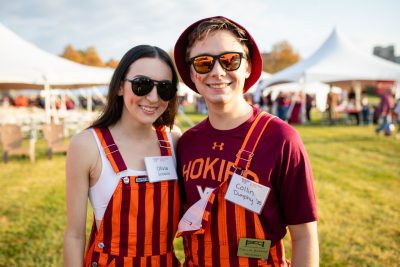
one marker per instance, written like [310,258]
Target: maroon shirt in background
[386,104]
[280,161]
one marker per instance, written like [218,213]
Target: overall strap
[246,152]
[111,149]
[165,146]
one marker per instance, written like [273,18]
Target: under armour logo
[220,146]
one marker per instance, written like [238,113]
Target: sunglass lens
[142,86]
[203,64]
[166,91]
[230,61]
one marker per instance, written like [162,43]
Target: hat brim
[184,68]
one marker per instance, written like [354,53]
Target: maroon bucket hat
[184,68]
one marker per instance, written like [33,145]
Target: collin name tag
[160,168]
[246,193]
[254,248]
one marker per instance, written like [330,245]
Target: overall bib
[221,231]
[140,221]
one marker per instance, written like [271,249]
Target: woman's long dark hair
[113,109]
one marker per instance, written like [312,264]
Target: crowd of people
[35,100]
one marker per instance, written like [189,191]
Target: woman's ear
[121,89]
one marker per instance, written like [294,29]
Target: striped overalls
[224,223]
[141,219]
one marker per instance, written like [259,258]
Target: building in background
[386,53]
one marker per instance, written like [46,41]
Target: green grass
[357,180]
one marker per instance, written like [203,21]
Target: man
[245,174]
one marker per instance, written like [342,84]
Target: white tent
[338,60]
[23,65]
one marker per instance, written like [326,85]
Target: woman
[135,207]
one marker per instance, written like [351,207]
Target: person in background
[397,113]
[309,105]
[116,163]
[245,174]
[365,109]
[332,103]
[384,112]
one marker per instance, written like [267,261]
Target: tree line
[88,56]
[281,56]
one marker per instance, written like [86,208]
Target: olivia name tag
[247,193]
[160,168]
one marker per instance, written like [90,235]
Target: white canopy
[338,60]
[23,65]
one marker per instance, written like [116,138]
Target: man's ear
[248,69]
[192,75]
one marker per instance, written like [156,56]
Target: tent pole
[303,99]
[47,101]
[89,100]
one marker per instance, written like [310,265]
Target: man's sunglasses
[203,64]
[142,85]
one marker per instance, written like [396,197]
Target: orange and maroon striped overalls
[224,223]
[141,219]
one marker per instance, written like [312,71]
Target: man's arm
[305,250]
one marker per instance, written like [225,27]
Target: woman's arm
[79,160]
[305,250]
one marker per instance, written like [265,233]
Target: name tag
[160,168]
[253,248]
[246,193]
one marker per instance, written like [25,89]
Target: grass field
[357,180]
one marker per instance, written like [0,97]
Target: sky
[115,26]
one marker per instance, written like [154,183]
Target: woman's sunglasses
[203,64]
[142,85]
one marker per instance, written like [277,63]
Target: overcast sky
[114,26]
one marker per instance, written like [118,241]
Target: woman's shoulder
[83,142]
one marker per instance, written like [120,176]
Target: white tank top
[101,192]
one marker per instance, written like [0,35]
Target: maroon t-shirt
[280,162]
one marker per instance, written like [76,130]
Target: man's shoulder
[199,128]
[280,130]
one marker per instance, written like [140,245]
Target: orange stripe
[240,220]
[148,248]
[127,261]
[274,255]
[133,214]
[143,261]
[164,218]
[258,139]
[103,259]
[222,227]
[208,248]
[115,219]
[107,150]
[249,134]
[259,136]
[195,248]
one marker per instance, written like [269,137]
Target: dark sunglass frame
[143,85]
[214,59]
